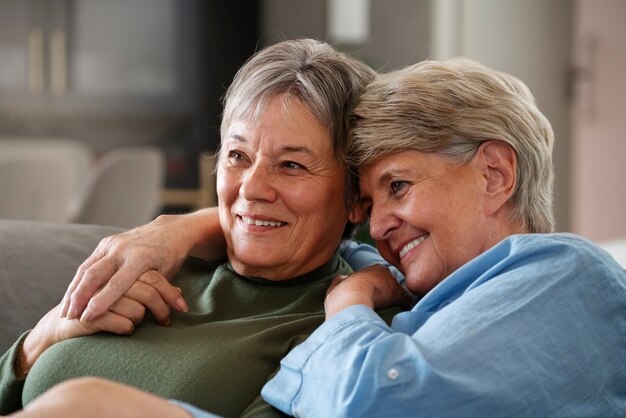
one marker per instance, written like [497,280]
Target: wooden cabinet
[114,73]
[81,55]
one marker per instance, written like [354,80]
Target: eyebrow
[285,149]
[236,137]
[388,175]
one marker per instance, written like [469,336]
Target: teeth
[257,222]
[412,245]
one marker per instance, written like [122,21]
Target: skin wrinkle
[256,180]
[437,198]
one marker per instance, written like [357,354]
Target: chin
[254,262]
[422,284]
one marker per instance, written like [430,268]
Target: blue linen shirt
[534,327]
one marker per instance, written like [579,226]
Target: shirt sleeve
[360,255]
[10,386]
[353,365]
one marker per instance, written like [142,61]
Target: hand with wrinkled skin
[153,252]
[374,287]
[121,318]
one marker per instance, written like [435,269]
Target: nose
[258,184]
[382,222]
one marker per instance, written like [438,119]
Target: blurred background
[136,84]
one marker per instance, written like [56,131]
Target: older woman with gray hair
[455,169]
[286,198]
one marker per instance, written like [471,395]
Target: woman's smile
[404,249]
[258,221]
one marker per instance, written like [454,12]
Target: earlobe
[500,172]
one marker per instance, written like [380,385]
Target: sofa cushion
[37,262]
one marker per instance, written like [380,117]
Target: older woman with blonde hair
[455,170]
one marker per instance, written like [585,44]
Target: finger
[113,322]
[119,281]
[65,303]
[92,279]
[129,308]
[148,296]
[169,293]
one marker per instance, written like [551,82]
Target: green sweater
[217,356]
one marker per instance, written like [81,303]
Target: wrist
[208,240]
[31,348]
[19,368]
[28,351]
[333,307]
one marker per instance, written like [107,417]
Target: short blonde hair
[449,108]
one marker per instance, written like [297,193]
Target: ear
[500,172]
[358,213]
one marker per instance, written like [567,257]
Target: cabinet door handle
[35,61]
[58,63]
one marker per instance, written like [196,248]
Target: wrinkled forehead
[253,109]
[287,126]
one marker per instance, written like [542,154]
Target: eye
[398,186]
[292,165]
[235,156]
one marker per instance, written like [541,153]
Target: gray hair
[450,108]
[326,82]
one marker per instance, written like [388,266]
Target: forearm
[32,347]
[208,240]
[14,366]
[93,397]
[359,366]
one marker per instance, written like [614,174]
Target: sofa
[39,259]
[37,262]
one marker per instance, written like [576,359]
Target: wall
[599,122]
[530,39]
[399,29]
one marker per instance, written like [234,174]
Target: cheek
[322,212]
[319,197]
[226,186]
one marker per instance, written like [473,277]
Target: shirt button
[393,374]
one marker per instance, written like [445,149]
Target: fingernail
[71,313]
[86,315]
[180,290]
[182,305]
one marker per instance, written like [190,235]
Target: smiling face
[427,214]
[281,193]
